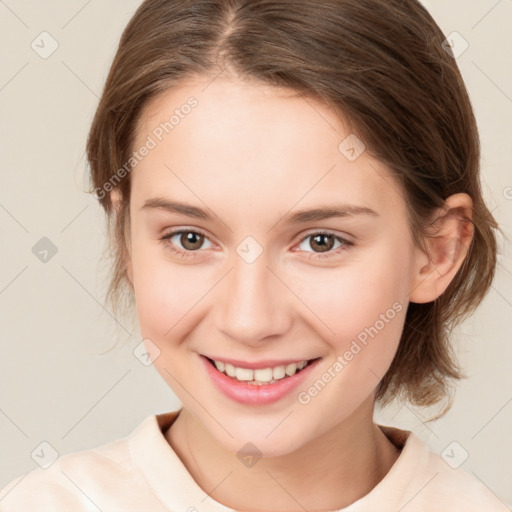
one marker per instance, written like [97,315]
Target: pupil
[323,247]
[189,239]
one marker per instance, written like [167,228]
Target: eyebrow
[301,216]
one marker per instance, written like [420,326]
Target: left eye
[324,242]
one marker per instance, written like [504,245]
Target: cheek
[361,310]
[165,292]
[355,296]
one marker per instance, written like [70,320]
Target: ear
[450,236]
[116,198]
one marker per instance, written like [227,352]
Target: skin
[250,154]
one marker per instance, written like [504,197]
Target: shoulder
[104,478]
[426,481]
[71,482]
[453,488]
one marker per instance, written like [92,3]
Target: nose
[252,303]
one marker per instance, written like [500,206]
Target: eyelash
[345,244]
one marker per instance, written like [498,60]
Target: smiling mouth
[260,376]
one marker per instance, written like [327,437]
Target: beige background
[56,385]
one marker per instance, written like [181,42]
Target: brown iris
[194,239]
[319,241]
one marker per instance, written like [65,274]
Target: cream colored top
[142,473]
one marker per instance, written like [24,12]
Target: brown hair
[380,64]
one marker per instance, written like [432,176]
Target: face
[236,275]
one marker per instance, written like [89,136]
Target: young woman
[293,192]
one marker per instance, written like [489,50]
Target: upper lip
[267,363]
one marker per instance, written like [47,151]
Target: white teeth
[261,375]
[264,375]
[244,374]
[230,370]
[278,372]
[291,369]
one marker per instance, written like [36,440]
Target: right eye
[190,239]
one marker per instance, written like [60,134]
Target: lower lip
[254,394]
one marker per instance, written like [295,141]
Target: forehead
[253,144]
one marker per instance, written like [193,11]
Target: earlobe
[450,238]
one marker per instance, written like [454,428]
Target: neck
[330,472]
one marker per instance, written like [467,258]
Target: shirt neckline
[172,483]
